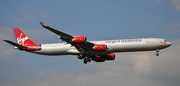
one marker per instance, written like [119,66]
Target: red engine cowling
[98,59]
[79,39]
[110,56]
[102,58]
[100,47]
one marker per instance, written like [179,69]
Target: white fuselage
[122,45]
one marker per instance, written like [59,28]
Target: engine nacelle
[98,59]
[79,39]
[110,56]
[100,47]
[102,58]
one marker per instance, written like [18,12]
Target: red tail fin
[24,40]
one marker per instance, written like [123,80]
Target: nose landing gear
[157,52]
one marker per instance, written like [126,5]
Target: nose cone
[168,44]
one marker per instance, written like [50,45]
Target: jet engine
[79,39]
[102,58]
[100,47]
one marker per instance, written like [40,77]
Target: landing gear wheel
[157,54]
[89,60]
[81,56]
[85,61]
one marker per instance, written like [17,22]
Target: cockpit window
[165,40]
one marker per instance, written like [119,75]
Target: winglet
[42,24]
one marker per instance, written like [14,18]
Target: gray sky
[98,20]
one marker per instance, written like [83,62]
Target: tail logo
[21,40]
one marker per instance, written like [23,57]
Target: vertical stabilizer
[24,40]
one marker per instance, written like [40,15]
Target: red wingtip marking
[42,24]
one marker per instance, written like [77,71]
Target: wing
[82,47]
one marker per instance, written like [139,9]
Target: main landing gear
[157,52]
[85,59]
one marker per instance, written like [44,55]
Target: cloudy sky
[98,20]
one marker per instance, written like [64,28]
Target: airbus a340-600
[98,51]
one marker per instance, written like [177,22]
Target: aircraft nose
[168,43]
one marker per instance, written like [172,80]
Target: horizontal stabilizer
[15,44]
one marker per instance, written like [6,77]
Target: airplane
[98,51]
